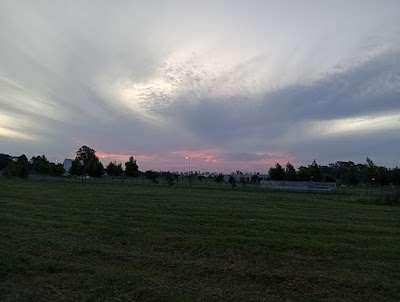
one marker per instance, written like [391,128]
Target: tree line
[343,172]
[87,163]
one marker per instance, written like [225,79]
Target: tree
[396,175]
[41,165]
[85,153]
[169,178]
[14,167]
[94,168]
[22,160]
[276,173]
[5,160]
[353,176]
[219,178]
[91,163]
[254,179]
[152,175]
[56,169]
[232,181]
[370,172]
[304,173]
[315,172]
[77,168]
[118,170]
[244,181]
[114,170]
[9,171]
[131,167]
[290,172]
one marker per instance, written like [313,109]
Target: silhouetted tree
[396,176]
[85,153]
[131,167]
[353,175]
[219,178]
[94,168]
[370,172]
[304,174]
[232,181]
[277,172]
[152,175]
[315,171]
[290,172]
[169,178]
[41,165]
[113,169]
[5,160]
[17,167]
[56,169]
[77,168]
[254,178]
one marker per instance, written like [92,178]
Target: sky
[231,85]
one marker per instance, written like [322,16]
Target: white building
[245,177]
[68,165]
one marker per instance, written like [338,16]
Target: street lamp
[372,184]
[190,183]
[189,163]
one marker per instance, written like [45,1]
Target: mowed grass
[71,241]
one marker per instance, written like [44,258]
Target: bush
[169,179]
[392,198]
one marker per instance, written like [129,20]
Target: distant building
[245,177]
[67,166]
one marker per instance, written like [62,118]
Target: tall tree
[91,163]
[395,175]
[232,181]
[56,169]
[152,175]
[254,178]
[77,168]
[113,169]
[290,172]
[5,160]
[41,165]
[304,173]
[315,171]
[22,160]
[131,167]
[370,172]
[219,178]
[94,168]
[353,176]
[277,172]
[14,167]
[85,153]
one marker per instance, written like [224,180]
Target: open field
[72,241]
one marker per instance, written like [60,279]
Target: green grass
[71,241]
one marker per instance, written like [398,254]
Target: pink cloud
[211,160]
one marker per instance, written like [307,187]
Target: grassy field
[71,241]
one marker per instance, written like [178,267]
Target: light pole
[187,157]
[189,163]
[372,184]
